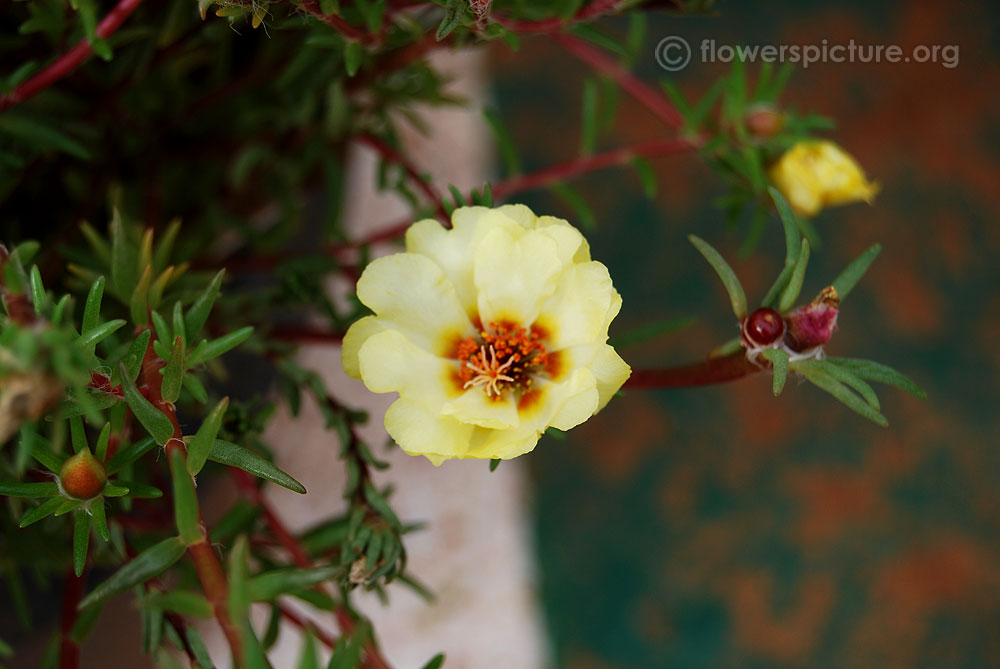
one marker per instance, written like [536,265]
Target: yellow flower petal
[575,400]
[390,363]
[476,408]
[578,310]
[611,373]
[572,245]
[452,250]
[513,276]
[356,336]
[502,444]
[421,432]
[410,292]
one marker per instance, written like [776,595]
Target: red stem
[647,96]
[70,60]
[336,22]
[561,172]
[392,155]
[591,11]
[69,652]
[585,164]
[707,372]
[325,637]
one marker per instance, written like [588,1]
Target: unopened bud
[83,476]
[813,324]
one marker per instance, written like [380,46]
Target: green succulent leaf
[18,489]
[185,500]
[197,315]
[737,296]
[794,287]
[146,565]
[227,453]
[173,373]
[271,584]
[825,381]
[200,445]
[81,541]
[46,508]
[187,603]
[849,278]
[129,454]
[101,332]
[875,371]
[99,513]
[223,344]
[779,364]
[154,420]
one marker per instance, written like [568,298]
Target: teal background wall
[722,527]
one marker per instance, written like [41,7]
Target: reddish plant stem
[592,11]
[373,658]
[69,651]
[336,22]
[70,60]
[325,637]
[714,370]
[561,172]
[206,562]
[586,164]
[645,95]
[394,156]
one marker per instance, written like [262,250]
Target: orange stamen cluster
[502,359]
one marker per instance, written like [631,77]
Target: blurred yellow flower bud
[816,174]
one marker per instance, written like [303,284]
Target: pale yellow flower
[490,332]
[815,174]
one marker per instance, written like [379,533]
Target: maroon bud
[763,327]
[813,324]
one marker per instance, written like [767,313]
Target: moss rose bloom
[490,332]
[816,174]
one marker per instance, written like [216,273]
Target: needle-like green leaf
[100,332]
[794,287]
[81,541]
[233,455]
[154,420]
[779,365]
[849,278]
[200,445]
[198,313]
[875,371]
[173,372]
[150,563]
[822,379]
[737,296]
[185,500]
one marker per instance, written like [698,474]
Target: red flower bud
[813,324]
[83,476]
[762,328]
